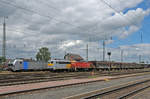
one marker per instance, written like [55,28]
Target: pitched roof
[75,57]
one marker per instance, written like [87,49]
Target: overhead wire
[116,10]
[35,12]
[48,5]
[22,8]
[31,11]
[48,17]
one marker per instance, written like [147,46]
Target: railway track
[8,80]
[37,80]
[123,91]
[31,79]
[83,83]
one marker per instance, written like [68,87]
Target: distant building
[73,57]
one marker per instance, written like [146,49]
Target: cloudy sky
[69,25]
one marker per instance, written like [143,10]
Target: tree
[2,59]
[43,54]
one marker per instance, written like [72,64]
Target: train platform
[6,90]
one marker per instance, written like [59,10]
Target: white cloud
[69,43]
[68,24]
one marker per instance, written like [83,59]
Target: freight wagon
[100,65]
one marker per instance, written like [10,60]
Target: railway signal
[109,54]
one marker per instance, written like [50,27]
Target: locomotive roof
[61,60]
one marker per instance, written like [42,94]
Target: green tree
[2,59]
[43,54]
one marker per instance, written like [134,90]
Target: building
[73,57]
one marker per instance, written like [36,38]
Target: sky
[67,26]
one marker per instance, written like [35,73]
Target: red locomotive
[81,65]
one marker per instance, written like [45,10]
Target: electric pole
[121,55]
[139,58]
[65,53]
[141,37]
[87,52]
[99,53]
[4,40]
[103,50]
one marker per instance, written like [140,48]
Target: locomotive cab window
[64,62]
[10,64]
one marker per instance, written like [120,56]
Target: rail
[121,88]
[122,91]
